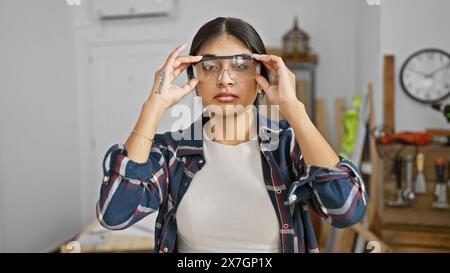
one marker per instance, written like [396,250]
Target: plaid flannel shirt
[131,190]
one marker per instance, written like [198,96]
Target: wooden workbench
[113,241]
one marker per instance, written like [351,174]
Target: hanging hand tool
[400,201]
[408,193]
[420,186]
[441,187]
[448,182]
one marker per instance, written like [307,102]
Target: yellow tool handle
[420,162]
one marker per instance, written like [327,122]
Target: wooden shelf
[312,58]
[419,227]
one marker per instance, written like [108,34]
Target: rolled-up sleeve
[130,190]
[336,194]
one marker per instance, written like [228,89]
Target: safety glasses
[239,68]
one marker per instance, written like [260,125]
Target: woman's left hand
[282,93]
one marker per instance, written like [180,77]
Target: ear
[258,87]
[258,69]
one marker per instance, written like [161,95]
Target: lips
[225,97]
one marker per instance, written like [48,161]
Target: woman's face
[228,78]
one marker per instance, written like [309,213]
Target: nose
[225,79]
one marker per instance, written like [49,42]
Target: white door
[122,75]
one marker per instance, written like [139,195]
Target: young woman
[244,183]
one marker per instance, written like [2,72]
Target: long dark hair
[234,27]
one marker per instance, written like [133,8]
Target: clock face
[425,75]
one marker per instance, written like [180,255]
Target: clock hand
[439,69]
[419,72]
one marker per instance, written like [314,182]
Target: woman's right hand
[163,90]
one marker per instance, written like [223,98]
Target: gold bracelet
[142,135]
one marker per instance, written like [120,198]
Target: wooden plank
[339,110]
[417,238]
[113,243]
[389,91]
[312,58]
[324,232]
[277,51]
[346,241]
[302,94]
[321,117]
[416,215]
[374,177]
[370,236]
[438,132]
[414,249]
[117,243]
[316,222]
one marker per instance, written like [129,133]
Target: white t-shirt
[227,208]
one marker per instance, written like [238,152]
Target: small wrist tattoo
[161,83]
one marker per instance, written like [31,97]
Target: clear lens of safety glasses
[239,68]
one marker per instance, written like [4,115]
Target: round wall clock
[425,75]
